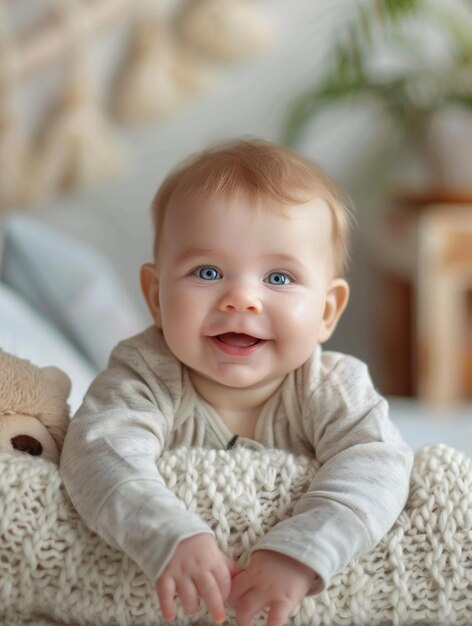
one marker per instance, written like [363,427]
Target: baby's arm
[272,580]
[363,482]
[109,468]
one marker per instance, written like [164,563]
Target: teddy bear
[34,413]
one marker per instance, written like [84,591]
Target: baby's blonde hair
[271,175]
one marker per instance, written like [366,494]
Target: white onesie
[144,403]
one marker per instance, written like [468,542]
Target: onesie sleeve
[362,484]
[108,462]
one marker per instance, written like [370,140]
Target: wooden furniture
[425,259]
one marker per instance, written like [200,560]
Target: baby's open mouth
[238,340]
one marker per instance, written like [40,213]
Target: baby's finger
[240,585]
[223,579]
[278,614]
[209,590]
[188,595]
[234,567]
[250,604]
[165,588]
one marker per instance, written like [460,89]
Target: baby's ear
[337,297]
[150,287]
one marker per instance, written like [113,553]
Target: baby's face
[243,296]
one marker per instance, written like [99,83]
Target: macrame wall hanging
[176,49]
[12,143]
[224,29]
[78,145]
[160,74]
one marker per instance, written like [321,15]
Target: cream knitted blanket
[53,570]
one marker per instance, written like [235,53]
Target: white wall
[252,98]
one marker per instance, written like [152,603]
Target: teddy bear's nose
[25,443]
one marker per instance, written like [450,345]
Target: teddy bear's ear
[58,378]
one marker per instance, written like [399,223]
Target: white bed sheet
[423,425]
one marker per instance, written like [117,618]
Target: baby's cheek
[306,310]
[175,310]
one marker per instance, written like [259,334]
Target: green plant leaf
[417,93]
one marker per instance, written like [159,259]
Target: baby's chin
[234,376]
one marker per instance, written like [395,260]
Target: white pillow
[28,336]
[71,284]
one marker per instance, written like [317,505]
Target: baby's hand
[197,569]
[272,580]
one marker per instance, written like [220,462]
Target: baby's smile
[237,343]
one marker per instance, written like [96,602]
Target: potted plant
[419,91]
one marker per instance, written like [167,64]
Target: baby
[246,284]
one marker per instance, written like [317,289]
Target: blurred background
[99,99]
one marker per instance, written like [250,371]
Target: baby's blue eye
[207,273]
[278,278]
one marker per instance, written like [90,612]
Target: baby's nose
[241,299]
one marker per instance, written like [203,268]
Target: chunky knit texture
[53,570]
